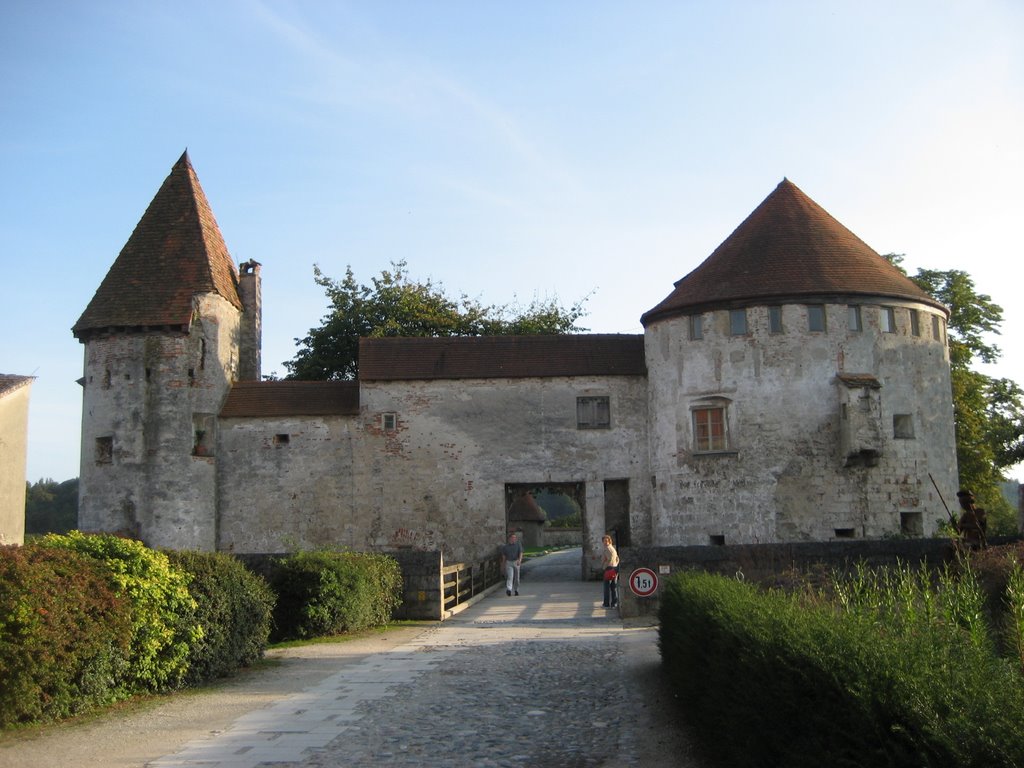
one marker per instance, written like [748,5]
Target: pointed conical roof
[788,248]
[175,252]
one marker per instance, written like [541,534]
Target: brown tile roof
[501,357]
[176,251]
[291,398]
[10,382]
[788,248]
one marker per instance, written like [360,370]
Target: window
[389,422]
[593,413]
[887,320]
[775,319]
[855,323]
[282,439]
[709,429]
[936,328]
[902,426]
[716,539]
[911,524]
[845,533]
[737,322]
[104,450]
[915,323]
[816,318]
[696,327]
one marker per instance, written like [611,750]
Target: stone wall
[763,562]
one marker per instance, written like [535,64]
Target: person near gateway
[610,572]
[511,559]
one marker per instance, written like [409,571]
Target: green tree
[989,412]
[395,305]
[51,507]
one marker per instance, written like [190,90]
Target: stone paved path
[546,679]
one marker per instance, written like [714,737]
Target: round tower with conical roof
[799,389]
[165,336]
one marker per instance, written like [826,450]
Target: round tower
[162,347]
[799,389]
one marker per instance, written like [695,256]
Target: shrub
[162,612]
[234,608]
[63,635]
[326,592]
[896,673]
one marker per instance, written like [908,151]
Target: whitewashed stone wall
[13,458]
[150,395]
[784,476]
[436,481]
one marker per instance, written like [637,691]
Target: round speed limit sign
[643,582]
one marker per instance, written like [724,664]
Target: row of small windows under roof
[816,322]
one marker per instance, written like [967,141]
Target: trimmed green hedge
[234,608]
[325,592]
[890,674]
[163,625]
[63,635]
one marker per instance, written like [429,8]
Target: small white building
[14,397]
[794,387]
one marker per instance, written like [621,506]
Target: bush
[896,673]
[234,608]
[163,623]
[63,635]
[326,592]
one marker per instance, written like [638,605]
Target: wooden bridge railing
[462,581]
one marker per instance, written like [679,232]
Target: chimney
[251,342]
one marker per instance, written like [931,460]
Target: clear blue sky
[507,150]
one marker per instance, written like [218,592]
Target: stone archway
[528,506]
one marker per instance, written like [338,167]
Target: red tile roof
[497,357]
[291,398]
[788,248]
[175,252]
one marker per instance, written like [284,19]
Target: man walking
[511,559]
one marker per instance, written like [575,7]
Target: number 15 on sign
[643,582]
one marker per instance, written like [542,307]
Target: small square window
[845,533]
[104,450]
[816,318]
[855,323]
[911,524]
[593,413]
[775,319]
[887,320]
[716,540]
[709,429]
[282,439]
[696,327]
[737,322]
[902,426]
[389,422]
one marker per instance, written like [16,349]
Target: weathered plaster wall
[153,398]
[13,458]
[783,476]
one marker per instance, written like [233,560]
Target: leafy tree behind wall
[51,507]
[989,412]
[395,305]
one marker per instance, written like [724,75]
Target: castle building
[794,387]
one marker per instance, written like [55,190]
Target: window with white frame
[887,319]
[855,322]
[710,431]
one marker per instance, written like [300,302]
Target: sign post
[643,582]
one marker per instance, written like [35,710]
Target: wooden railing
[462,581]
